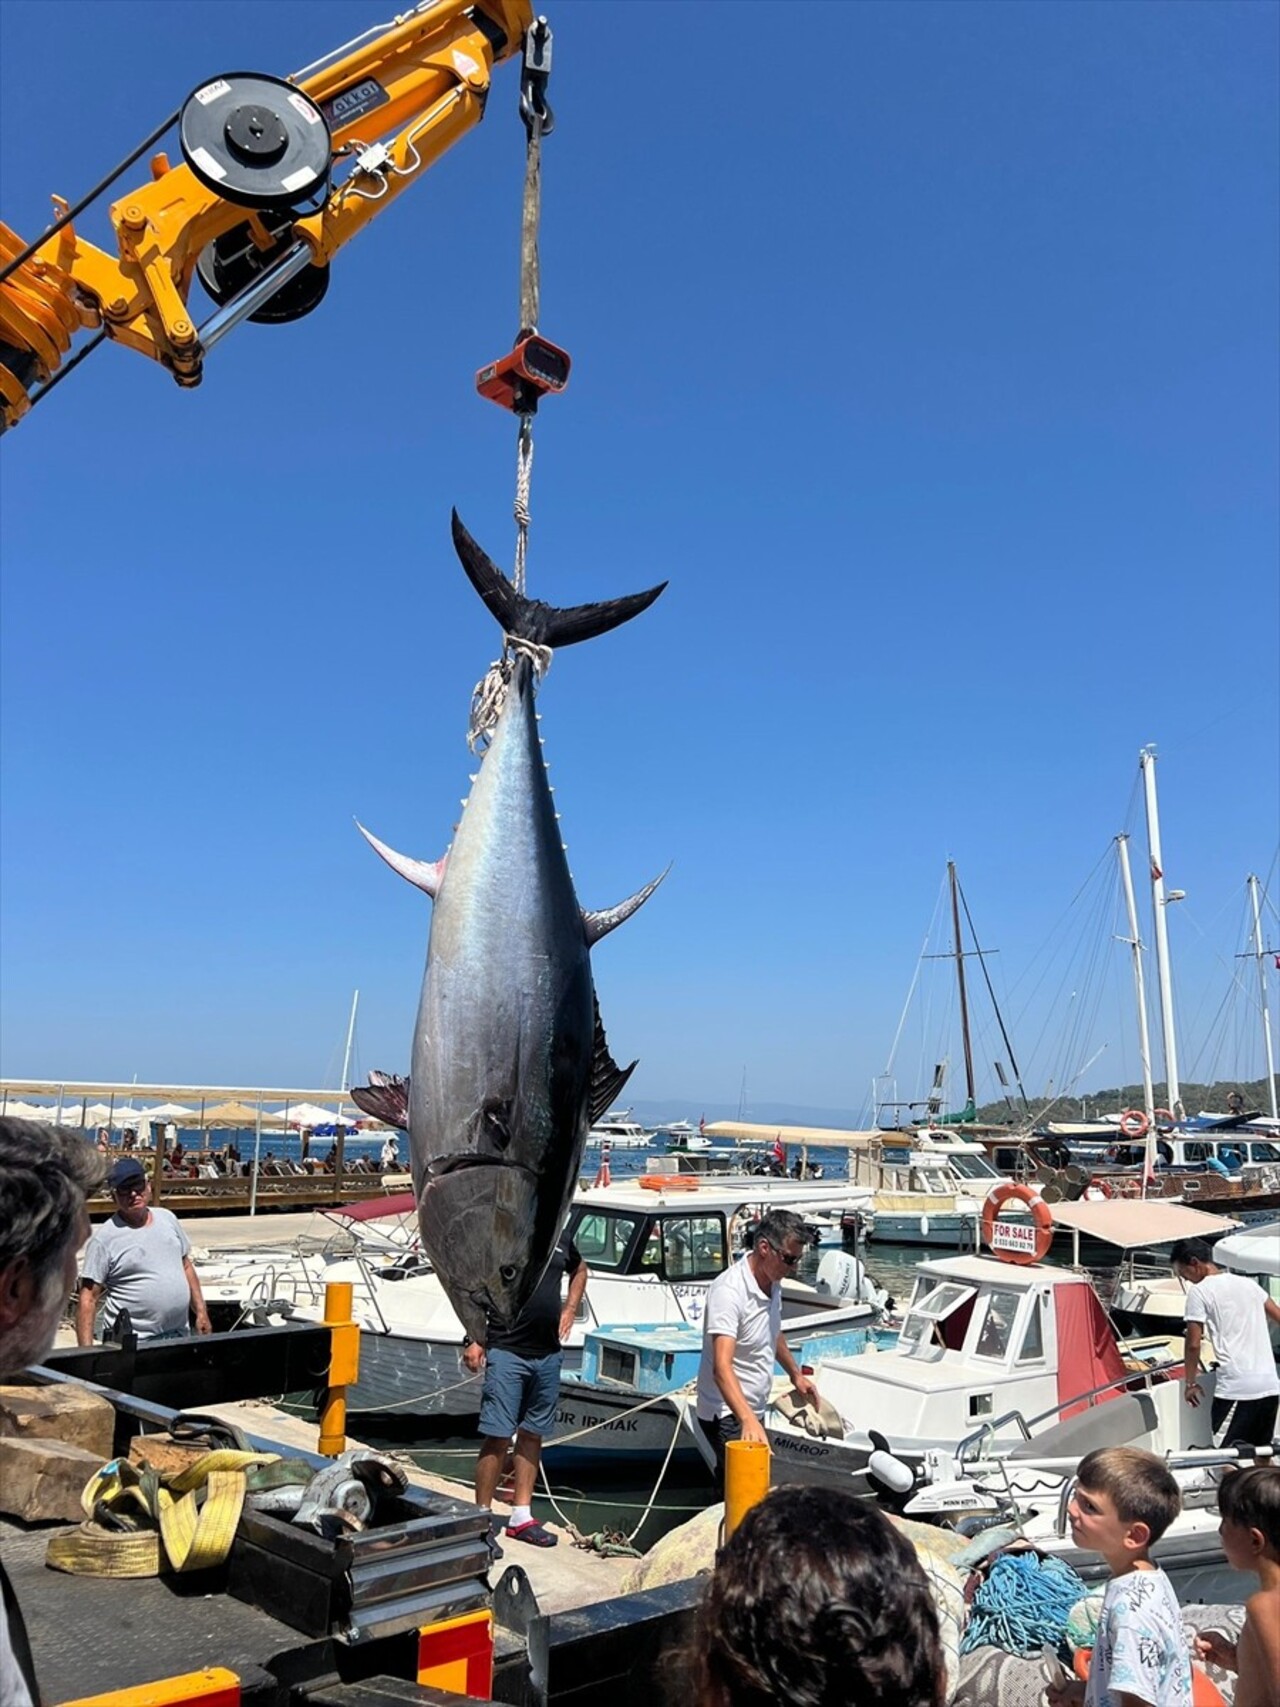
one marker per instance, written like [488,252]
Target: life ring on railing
[1134,1123]
[668,1182]
[1096,1189]
[1009,1240]
[1164,1117]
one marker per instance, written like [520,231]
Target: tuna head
[484,1216]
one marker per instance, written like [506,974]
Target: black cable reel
[258,142]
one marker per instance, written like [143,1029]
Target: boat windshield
[604,1237]
[997,1326]
[972,1167]
[937,1305]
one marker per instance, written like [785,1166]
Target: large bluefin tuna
[510,1063]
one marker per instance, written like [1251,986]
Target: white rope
[524,476]
[490,694]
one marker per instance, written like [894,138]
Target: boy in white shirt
[1123,1503]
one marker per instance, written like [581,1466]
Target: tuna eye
[508,1272]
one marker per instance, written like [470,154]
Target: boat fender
[1041,1217]
[924,1226]
[1134,1123]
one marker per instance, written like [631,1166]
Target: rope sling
[490,693]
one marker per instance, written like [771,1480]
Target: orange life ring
[1098,1188]
[1134,1123]
[1164,1117]
[668,1182]
[1010,1244]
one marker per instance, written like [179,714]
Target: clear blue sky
[929,350]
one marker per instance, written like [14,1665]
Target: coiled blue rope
[1022,1607]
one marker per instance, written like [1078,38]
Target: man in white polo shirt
[1236,1311]
[742,1336]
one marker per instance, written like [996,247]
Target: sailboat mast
[1159,902]
[1139,983]
[1259,955]
[346,1053]
[964,995]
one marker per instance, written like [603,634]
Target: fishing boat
[653,1246]
[999,1349]
[633,1395]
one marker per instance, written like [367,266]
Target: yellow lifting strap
[187,1521]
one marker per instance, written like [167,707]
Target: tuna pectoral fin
[607,1078]
[530,619]
[426,875]
[608,919]
[385,1097]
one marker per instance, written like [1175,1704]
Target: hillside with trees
[1195,1097]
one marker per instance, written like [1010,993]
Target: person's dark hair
[1190,1250]
[818,1601]
[778,1226]
[1251,1498]
[46,1172]
[1139,1485]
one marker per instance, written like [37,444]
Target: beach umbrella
[311,1114]
[16,1110]
[235,1115]
[170,1111]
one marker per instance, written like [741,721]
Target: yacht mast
[1159,901]
[964,996]
[1139,985]
[346,1053]
[1258,954]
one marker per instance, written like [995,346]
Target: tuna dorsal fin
[608,919]
[385,1097]
[607,1078]
[530,619]
[423,874]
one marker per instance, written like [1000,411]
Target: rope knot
[490,693]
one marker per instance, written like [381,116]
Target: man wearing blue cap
[138,1261]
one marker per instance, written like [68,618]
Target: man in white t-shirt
[742,1337]
[1236,1311]
[138,1260]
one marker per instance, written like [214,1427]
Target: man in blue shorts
[522,1387]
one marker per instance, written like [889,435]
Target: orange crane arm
[389,104]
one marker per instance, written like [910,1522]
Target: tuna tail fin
[385,1097]
[530,619]
[607,1078]
[598,924]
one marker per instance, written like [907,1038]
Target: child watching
[818,1601]
[1123,1503]
[1249,1502]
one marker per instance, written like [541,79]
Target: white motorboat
[930,1187]
[999,1350]
[1154,1298]
[653,1247]
[621,1131]
[1022,1496]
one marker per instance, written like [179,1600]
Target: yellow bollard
[344,1366]
[746,1480]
